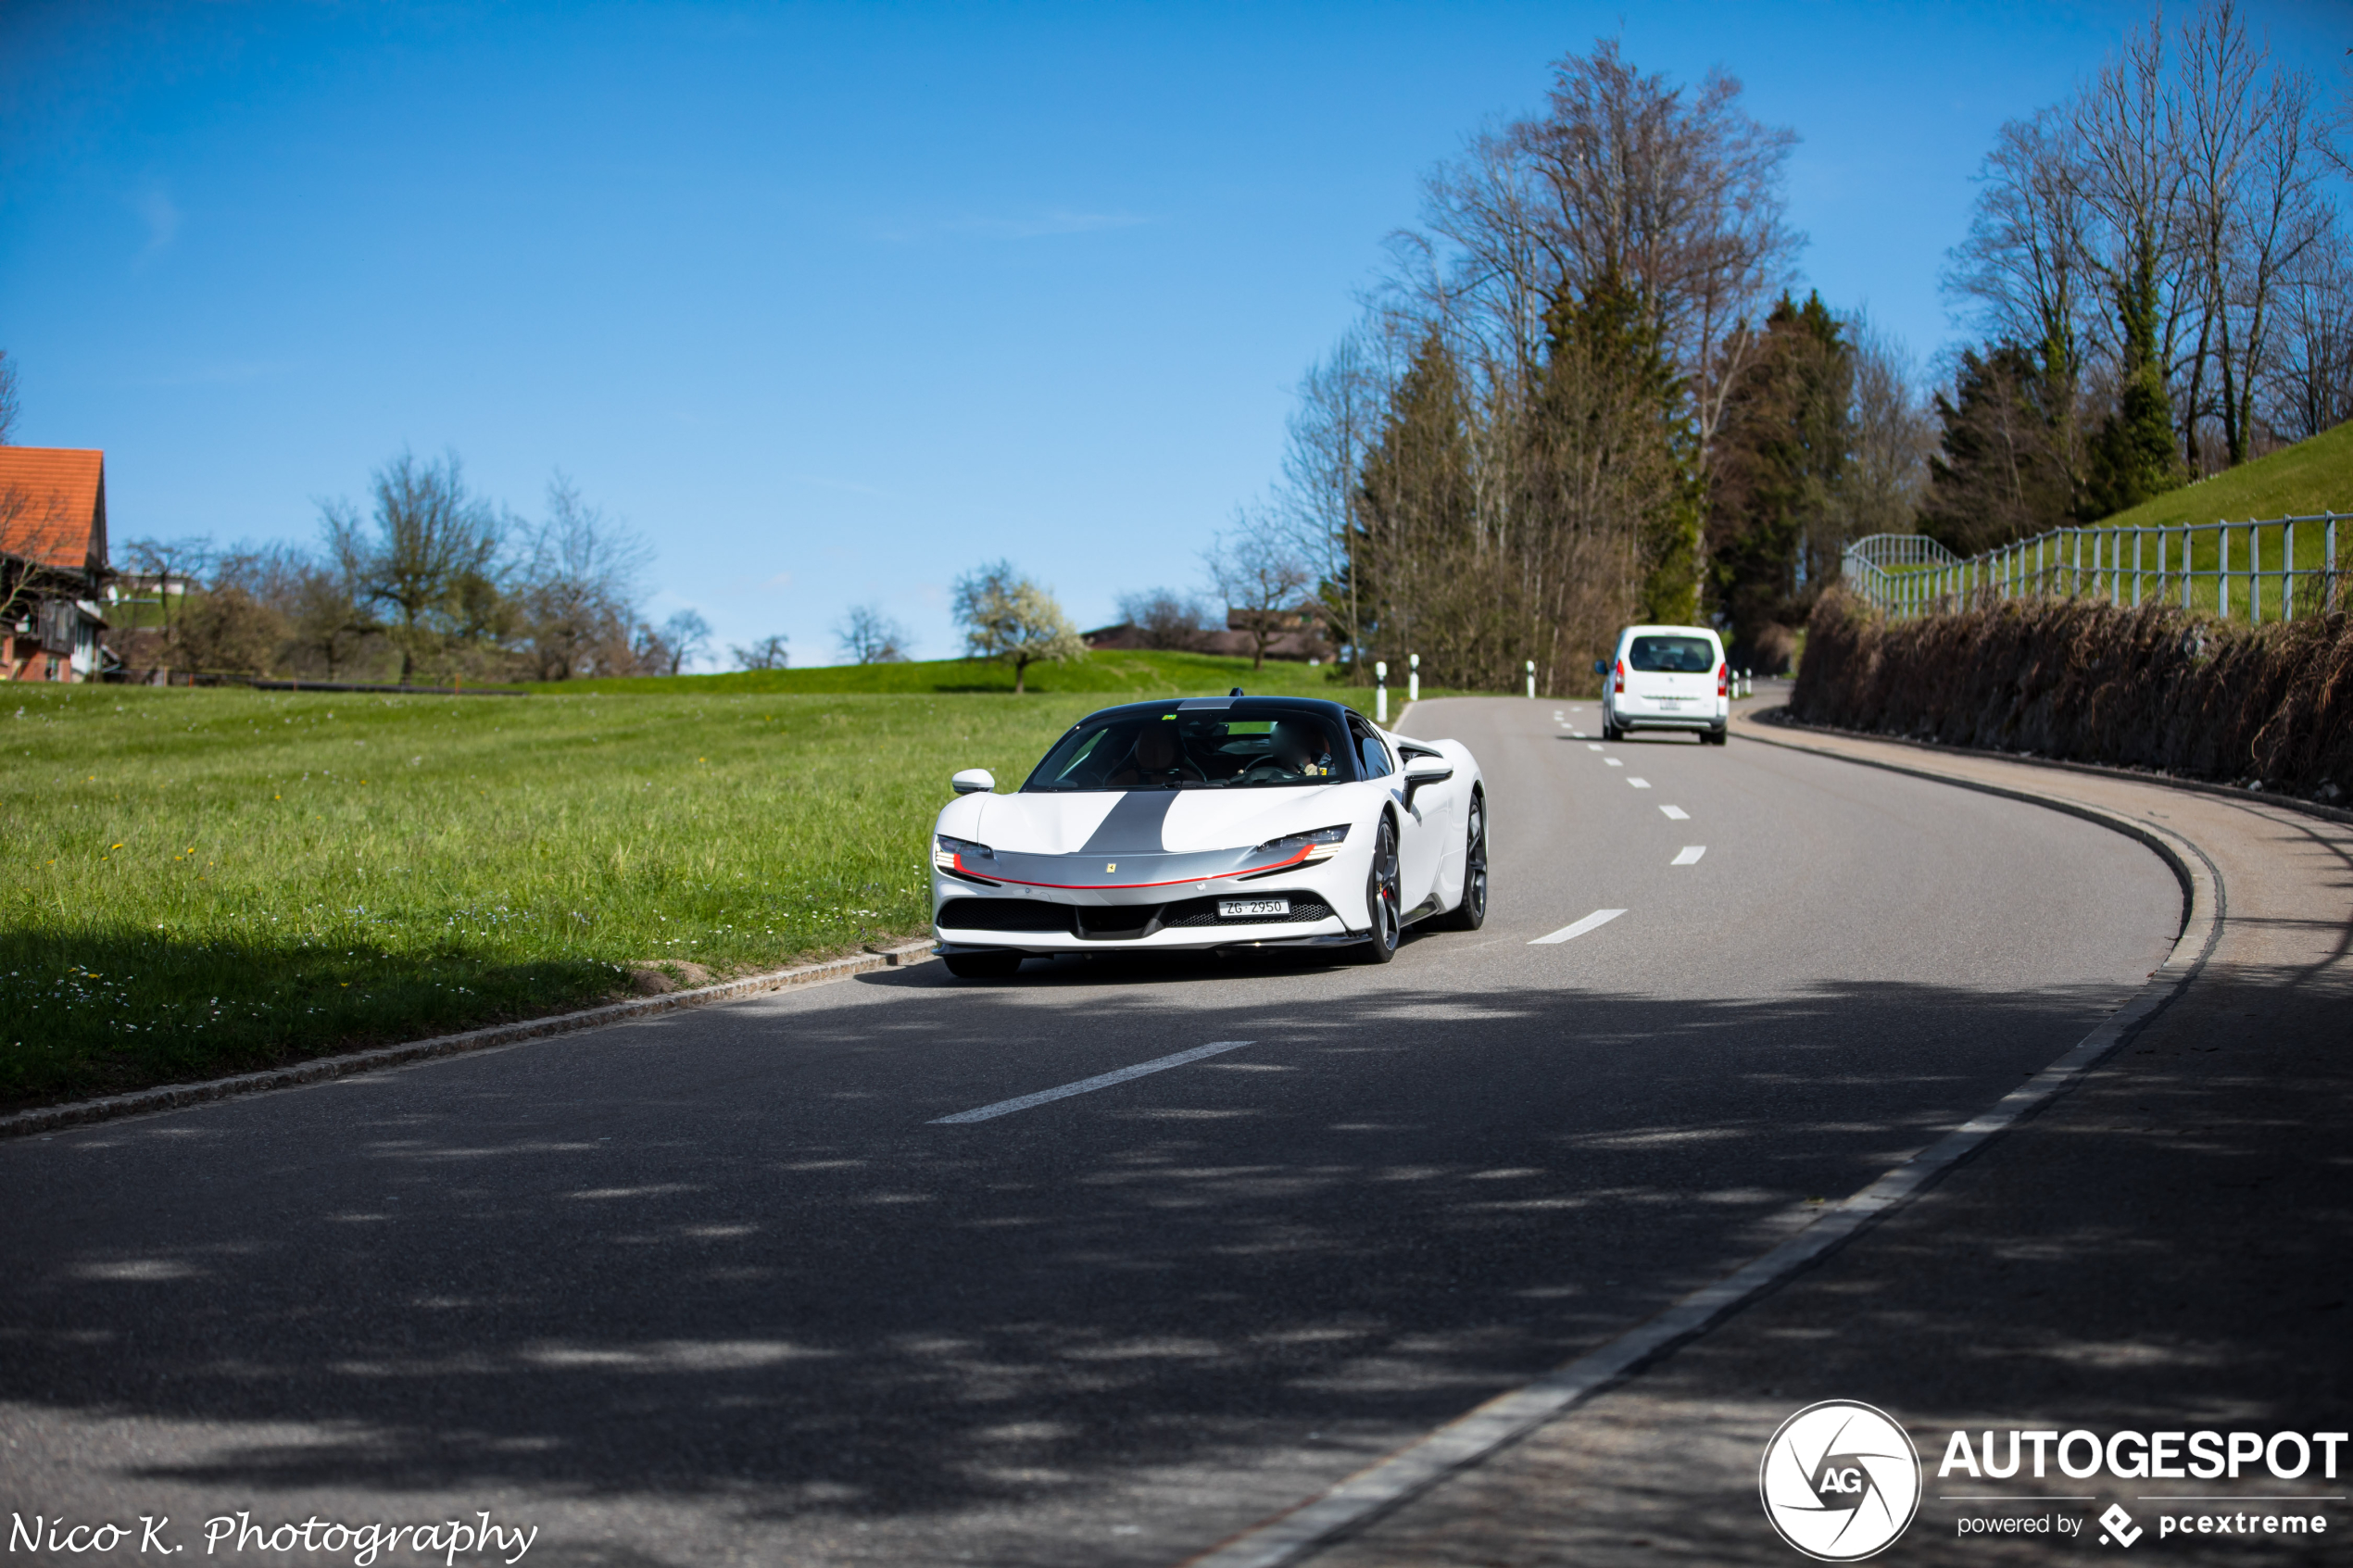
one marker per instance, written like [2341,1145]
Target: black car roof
[1236,706]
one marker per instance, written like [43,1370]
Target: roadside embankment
[2082,682]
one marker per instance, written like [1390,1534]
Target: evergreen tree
[1611,403]
[1417,514]
[2003,468]
[1781,452]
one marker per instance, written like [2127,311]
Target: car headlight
[945,849]
[1321,845]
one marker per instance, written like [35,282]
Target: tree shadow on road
[729,1256]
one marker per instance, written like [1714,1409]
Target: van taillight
[1619,686]
[1724,680]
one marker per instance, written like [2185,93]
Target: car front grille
[1114,922]
[1004,914]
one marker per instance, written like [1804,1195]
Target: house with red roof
[52,562]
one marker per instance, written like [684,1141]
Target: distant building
[52,562]
[1298,635]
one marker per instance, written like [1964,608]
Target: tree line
[1591,389]
[428,581]
[2157,271]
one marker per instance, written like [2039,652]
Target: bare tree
[325,626]
[1167,620]
[2022,267]
[431,541]
[2312,390]
[684,637]
[1893,436]
[1010,618]
[869,637]
[2250,141]
[580,588]
[1676,192]
[168,570]
[766,654]
[1337,422]
[1259,574]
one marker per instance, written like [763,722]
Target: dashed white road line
[1690,856]
[1640,784]
[1611,760]
[1100,1081]
[1677,814]
[1579,928]
[1592,746]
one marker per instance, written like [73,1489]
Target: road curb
[173,1097]
[1381,1489]
[1767,718]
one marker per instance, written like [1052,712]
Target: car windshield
[1672,656]
[1180,750]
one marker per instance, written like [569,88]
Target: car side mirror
[1424,774]
[973,781]
[1601,666]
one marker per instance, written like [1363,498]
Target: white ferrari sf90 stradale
[1212,822]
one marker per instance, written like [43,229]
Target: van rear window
[1672,656]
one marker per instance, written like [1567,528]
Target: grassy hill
[1111,673]
[2311,476]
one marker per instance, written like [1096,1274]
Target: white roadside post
[1531,680]
[1413,677]
[1380,692]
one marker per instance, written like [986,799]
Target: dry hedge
[2085,682]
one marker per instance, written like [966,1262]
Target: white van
[1666,678]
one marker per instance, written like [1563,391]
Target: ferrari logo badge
[1112,866]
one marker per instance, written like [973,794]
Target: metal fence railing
[2272,570]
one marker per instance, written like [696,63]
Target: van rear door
[1673,672]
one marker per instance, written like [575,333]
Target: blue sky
[834,302]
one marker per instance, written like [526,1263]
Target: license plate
[1670,702]
[1247,909]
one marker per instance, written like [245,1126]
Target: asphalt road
[713,1287]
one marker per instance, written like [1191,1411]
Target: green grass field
[2311,476]
[214,880]
[2127,558]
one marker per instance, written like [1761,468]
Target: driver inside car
[1295,749]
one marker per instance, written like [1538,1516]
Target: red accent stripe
[1077,886]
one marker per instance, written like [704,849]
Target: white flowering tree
[1007,617]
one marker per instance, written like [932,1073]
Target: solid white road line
[1100,1081]
[1291,1535]
[1676,813]
[1689,856]
[1640,784]
[1598,918]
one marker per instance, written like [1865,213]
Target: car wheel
[1382,899]
[1714,737]
[1471,914]
[997,965]
[1611,731]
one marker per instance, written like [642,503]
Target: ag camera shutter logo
[1840,1480]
